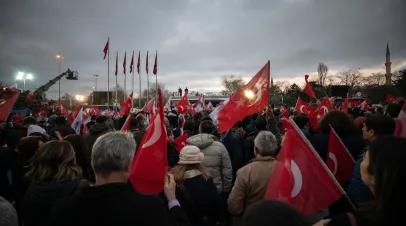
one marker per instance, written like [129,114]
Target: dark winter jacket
[201,201]
[42,196]
[95,132]
[115,204]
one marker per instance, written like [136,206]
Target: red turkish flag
[302,107]
[390,98]
[284,116]
[146,64]
[180,142]
[116,72]
[308,89]
[126,125]
[344,108]
[252,98]
[339,161]
[150,107]
[401,123]
[132,63]
[150,162]
[139,61]
[183,105]
[125,62]
[323,108]
[125,107]
[73,114]
[300,177]
[106,48]
[155,71]
[7,103]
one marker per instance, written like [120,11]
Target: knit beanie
[8,215]
[190,155]
[35,129]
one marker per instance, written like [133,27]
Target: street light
[80,98]
[59,57]
[23,76]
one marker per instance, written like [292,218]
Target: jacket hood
[202,140]
[98,128]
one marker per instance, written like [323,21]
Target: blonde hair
[179,172]
[54,161]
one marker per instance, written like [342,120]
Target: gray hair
[266,143]
[112,152]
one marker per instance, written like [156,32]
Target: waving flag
[308,89]
[250,99]
[150,162]
[106,48]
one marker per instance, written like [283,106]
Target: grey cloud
[198,41]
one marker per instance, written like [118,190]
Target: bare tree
[375,79]
[231,84]
[283,85]
[350,77]
[322,71]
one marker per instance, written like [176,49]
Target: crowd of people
[49,175]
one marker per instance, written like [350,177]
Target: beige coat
[216,159]
[250,184]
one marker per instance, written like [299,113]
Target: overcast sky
[197,41]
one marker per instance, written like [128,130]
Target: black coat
[115,204]
[201,201]
[95,132]
[234,147]
[42,196]
[11,161]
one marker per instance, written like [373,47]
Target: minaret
[271,82]
[388,65]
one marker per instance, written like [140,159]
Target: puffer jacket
[216,159]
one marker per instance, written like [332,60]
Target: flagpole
[125,76]
[139,77]
[147,70]
[132,82]
[116,80]
[108,72]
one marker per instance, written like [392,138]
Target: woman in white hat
[195,189]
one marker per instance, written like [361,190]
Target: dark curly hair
[340,121]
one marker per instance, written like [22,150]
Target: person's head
[142,121]
[27,121]
[265,144]
[260,123]
[206,127]
[35,130]
[302,121]
[340,121]
[54,161]
[189,126]
[102,120]
[359,123]
[112,156]
[79,146]
[8,213]
[190,158]
[28,146]
[383,170]
[60,121]
[273,212]
[378,125]
[393,110]
[94,117]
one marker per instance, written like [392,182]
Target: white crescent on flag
[297,177]
[156,133]
[259,94]
[334,159]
